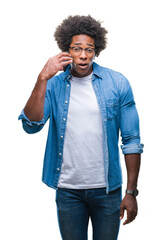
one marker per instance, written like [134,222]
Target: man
[87,105]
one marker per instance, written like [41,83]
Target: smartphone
[65,67]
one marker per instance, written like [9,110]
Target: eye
[89,50]
[76,49]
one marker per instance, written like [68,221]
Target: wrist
[132,192]
[44,75]
[42,78]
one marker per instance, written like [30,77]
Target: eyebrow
[89,44]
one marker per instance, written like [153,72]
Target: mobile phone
[65,67]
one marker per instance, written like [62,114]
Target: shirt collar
[97,70]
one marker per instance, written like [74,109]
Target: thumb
[121,212]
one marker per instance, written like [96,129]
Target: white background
[27,206]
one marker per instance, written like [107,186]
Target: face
[83,59]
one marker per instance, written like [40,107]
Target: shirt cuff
[132,148]
[23,117]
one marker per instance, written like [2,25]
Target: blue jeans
[76,206]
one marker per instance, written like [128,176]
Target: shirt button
[64,119]
[58,169]
[60,154]
[66,101]
[61,136]
[67,85]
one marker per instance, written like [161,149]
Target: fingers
[63,54]
[121,213]
[65,61]
[55,64]
[60,60]
[129,219]
[131,215]
[130,205]
[64,58]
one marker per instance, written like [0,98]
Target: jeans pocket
[111,108]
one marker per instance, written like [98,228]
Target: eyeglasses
[78,50]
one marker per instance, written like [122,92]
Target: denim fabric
[118,112]
[75,207]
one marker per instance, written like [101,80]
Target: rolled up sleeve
[32,126]
[132,148]
[129,120]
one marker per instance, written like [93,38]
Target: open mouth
[83,65]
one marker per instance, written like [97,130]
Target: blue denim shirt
[118,112]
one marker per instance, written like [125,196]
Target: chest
[83,100]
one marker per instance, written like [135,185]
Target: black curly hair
[76,25]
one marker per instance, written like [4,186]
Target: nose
[83,54]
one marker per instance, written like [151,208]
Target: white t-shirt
[83,161]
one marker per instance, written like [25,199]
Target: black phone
[65,67]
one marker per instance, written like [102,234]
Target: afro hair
[76,25]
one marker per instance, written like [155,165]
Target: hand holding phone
[55,64]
